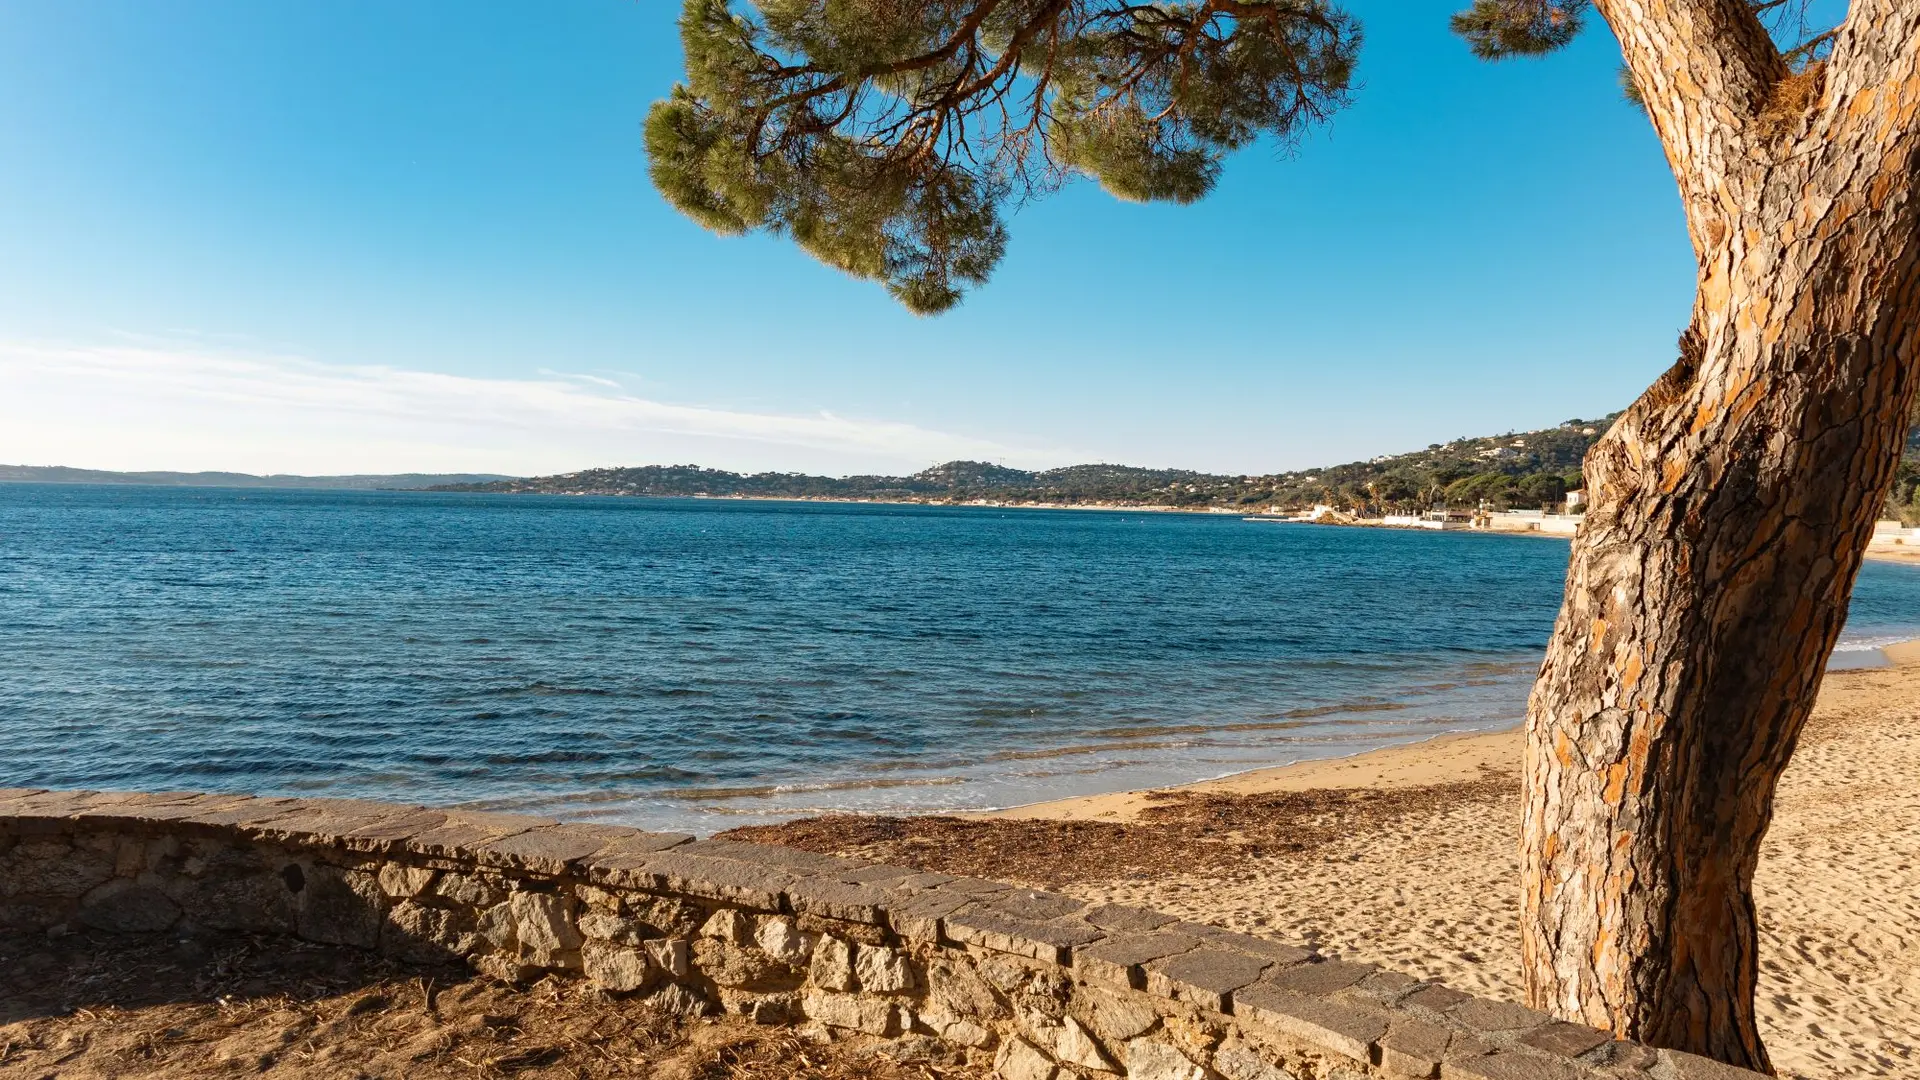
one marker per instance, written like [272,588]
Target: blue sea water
[705,663]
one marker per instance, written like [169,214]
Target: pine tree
[1729,506]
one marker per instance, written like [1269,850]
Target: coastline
[1451,758]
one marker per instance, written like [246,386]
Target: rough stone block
[54,868]
[1051,942]
[1115,962]
[414,931]
[468,890]
[881,970]
[1238,1061]
[779,938]
[263,902]
[600,926]
[1348,1030]
[1151,1059]
[1115,1017]
[671,955]
[738,968]
[1021,1060]
[832,967]
[340,907]
[543,924]
[730,925]
[123,907]
[1326,977]
[402,882]
[616,968]
[850,1011]
[1074,1044]
[1205,976]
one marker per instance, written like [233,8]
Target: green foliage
[1500,29]
[886,136]
[1535,468]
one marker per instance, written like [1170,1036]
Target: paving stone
[243,814]
[790,859]
[1567,1040]
[1116,961]
[832,899]
[1692,1067]
[15,794]
[1326,977]
[454,838]
[159,813]
[883,875]
[1278,951]
[1413,1047]
[1205,976]
[1050,942]
[619,838]
[748,885]
[1486,1014]
[1384,985]
[1123,919]
[918,918]
[1436,997]
[1349,1030]
[1509,1065]
[550,850]
[1032,905]
[390,835]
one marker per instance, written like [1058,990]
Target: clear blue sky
[374,236]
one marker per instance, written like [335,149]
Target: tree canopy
[889,138]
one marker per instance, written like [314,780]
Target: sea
[704,663]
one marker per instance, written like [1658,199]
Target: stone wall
[1046,987]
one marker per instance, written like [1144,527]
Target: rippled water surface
[702,663]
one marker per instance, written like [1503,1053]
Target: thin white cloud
[190,408]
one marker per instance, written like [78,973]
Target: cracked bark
[1730,507]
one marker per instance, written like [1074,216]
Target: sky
[417,235]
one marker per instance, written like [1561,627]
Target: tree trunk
[1729,510]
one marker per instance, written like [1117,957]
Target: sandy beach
[1406,857]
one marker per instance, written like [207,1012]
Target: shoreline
[1446,758]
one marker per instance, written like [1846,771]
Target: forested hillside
[1518,469]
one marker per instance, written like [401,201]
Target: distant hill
[1520,469]
[60,474]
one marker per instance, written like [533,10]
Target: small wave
[763,791]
